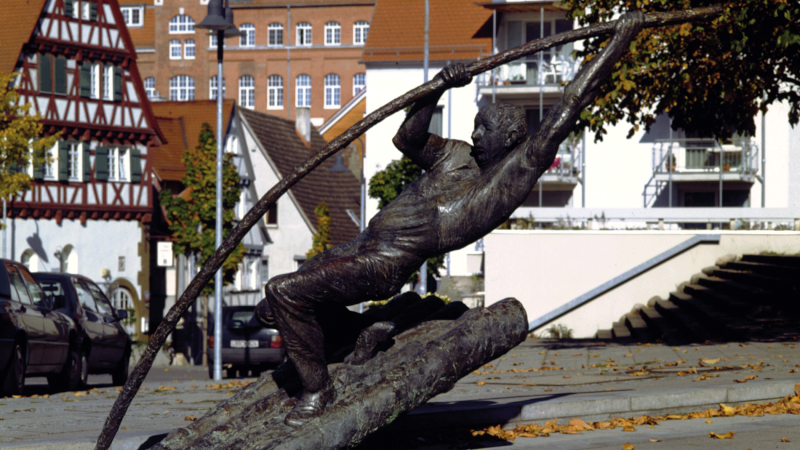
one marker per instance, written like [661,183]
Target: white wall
[546,269]
[99,245]
[292,237]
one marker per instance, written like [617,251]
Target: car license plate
[244,344]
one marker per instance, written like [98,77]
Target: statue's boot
[368,342]
[311,404]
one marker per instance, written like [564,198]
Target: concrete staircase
[756,298]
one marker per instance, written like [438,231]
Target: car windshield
[246,317]
[54,289]
[99,298]
[84,296]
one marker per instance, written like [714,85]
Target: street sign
[164,254]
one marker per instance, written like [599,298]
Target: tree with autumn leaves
[711,77]
[191,215]
[20,144]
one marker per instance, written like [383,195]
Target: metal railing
[703,155]
[552,69]
[617,281]
[568,160]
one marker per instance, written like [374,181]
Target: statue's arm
[413,138]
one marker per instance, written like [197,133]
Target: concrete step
[720,300]
[778,260]
[685,321]
[725,326]
[621,331]
[754,280]
[605,334]
[742,292]
[771,270]
[662,326]
[639,329]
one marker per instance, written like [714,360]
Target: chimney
[302,122]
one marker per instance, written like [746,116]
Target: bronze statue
[465,192]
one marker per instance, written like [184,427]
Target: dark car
[106,346]
[246,345]
[35,338]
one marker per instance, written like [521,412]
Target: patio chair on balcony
[553,68]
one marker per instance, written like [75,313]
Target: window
[247,91]
[360,30]
[84,296]
[175,49]
[150,87]
[248,37]
[74,161]
[359,82]
[95,80]
[212,40]
[304,34]
[275,92]
[271,217]
[333,33]
[50,171]
[108,76]
[303,85]
[118,164]
[212,87]
[133,15]
[52,74]
[181,24]
[232,147]
[188,49]
[181,88]
[275,34]
[17,287]
[332,91]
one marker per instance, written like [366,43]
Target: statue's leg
[295,299]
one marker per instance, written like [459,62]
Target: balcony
[559,181]
[531,75]
[705,160]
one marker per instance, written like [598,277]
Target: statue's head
[499,127]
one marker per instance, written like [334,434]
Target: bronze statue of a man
[465,192]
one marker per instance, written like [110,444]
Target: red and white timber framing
[123,119]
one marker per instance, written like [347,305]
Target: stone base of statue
[416,349]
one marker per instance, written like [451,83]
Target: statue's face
[488,140]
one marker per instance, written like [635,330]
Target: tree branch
[213,264]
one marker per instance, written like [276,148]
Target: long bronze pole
[136,378]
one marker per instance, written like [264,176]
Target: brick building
[302,53]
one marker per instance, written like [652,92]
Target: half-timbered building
[89,208]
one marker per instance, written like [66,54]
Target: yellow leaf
[709,421]
[628,428]
[481,383]
[580,425]
[190,418]
[627,446]
[710,361]
[728,435]
[783,439]
[655,440]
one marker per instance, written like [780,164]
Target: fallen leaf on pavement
[190,418]
[709,421]
[746,379]
[785,439]
[710,361]
[580,425]
[481,383]
[628,446]
[628,428]
[655,440]
[728,435]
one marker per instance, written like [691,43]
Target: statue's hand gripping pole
[213,264]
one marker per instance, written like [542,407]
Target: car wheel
[14,382]
[84,377]
[120,375]
[70,376]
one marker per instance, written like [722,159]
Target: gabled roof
[345,117]
[194,114]
[166,158]
[454,31]
[284,147]
[19,20]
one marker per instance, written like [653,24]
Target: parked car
[35,338]
[106,346]
[246,345]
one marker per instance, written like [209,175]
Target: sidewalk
[539,380]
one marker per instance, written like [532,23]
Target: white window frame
[96,80]
[181,88]
[303,91]
[75,161]
[275,92]
[128,15]
[333,33]
[333,91]
[248,37]
[274,31]
[50,171]
[119,163]
[212,40]
[188,49]
[363,82]
[175,49]
[212,87]
[108,82]
[303,34]
[150,87]
[86,10]
[360,32]
[247,92]
[181,24]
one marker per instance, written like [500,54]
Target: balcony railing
[567,165]
[706,156]
[552,70]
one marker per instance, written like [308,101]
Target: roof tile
[19,19]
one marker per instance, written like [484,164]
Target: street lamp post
[218,20]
